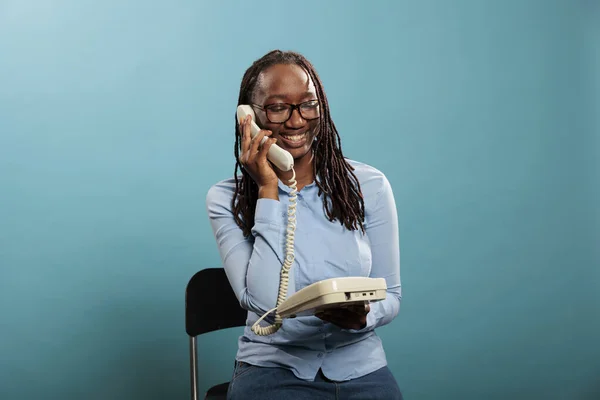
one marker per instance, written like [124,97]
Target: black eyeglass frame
[292,108]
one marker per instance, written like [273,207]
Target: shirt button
[319,355]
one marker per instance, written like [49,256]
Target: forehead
[287,82]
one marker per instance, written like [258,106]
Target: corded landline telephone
[328,293]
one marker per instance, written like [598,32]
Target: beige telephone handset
[328,293]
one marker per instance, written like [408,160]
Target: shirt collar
[287,189]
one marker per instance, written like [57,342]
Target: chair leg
[193,368]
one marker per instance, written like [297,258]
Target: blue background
[117,116]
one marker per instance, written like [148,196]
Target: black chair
[210,305]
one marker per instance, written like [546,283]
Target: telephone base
[332,293]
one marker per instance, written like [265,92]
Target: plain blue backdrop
[117,116]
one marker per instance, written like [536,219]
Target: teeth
[294,138]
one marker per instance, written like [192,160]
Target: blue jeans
[250,382]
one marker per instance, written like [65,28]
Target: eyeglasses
[279,113]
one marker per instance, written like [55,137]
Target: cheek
[263,123]
[275,128]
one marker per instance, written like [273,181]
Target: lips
[294,140]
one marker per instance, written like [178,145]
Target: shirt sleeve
[252,264]
[382,230]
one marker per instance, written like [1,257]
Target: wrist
[268,192]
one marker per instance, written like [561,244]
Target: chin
[297,154]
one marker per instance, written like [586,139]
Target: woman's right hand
[253,158]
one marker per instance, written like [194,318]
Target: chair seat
[217,392]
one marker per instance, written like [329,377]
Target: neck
[303,167]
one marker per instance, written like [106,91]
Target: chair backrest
[211,304]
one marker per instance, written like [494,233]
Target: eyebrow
[284,97]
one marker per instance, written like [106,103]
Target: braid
[342,196]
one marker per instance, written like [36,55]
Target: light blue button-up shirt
[323,250]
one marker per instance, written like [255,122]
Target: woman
[346,226]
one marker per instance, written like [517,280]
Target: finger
[350,310]
[350,323]
[256,142]
[360,309]
[342,322]
[266,146]
[328,318]
[336,315]
[325,316]
[245,131]
[348,316]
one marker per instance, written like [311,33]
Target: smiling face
[287,83]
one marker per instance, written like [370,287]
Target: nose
[295,121]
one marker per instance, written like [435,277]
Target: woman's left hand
[351,317]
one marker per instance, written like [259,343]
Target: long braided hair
[342,200]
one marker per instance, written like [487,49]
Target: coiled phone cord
[287,265]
